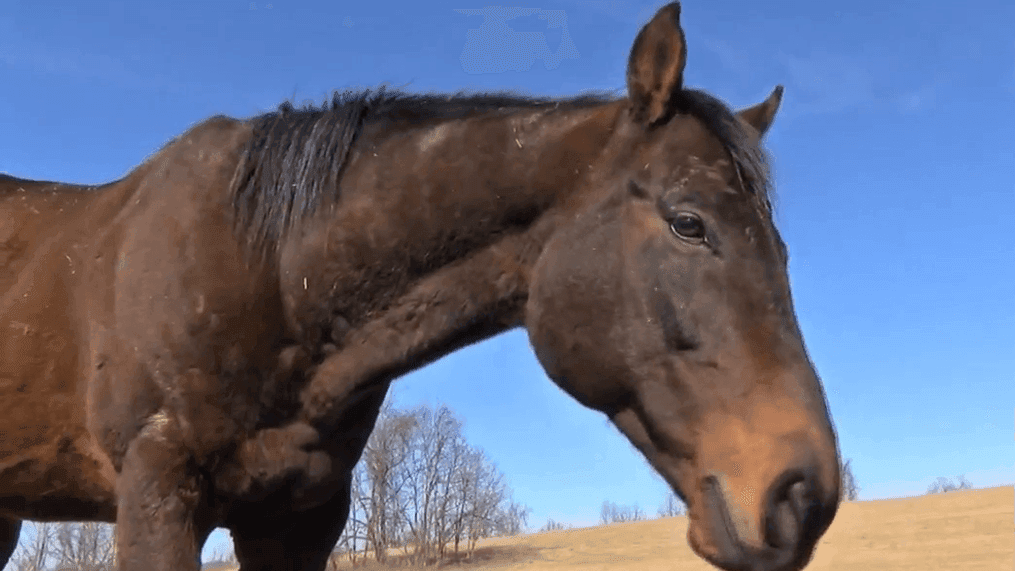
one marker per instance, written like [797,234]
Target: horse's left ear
[761,115]
[655,68]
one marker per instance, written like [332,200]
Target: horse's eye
[688,226]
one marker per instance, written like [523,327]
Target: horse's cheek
[574,317]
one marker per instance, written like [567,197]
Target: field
[973,529]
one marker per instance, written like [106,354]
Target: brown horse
[207,341]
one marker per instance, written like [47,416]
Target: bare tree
[432,461]
[943,485]
[383,463]
[421,487]
[553,526]
[353,541]
[35,554]
[615,513]
[511,519]
[353,536]
[465,521]
[223,556]
[849,489]
[487,500]
[672,506]
[86,546]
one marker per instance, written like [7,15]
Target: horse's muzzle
[797,512]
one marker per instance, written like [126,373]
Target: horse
[207,341]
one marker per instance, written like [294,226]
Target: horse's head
[663,301]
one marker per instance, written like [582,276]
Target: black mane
[296,155]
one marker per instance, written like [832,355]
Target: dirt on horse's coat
[207,341]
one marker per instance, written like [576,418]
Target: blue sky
[893,156]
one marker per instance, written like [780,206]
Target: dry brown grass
[969,530]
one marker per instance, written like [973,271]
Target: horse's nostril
[792,510]
[798,498]
[783,526]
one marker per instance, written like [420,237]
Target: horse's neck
[424,208]
[431,243]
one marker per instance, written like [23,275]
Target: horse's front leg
[298,456]
[272,458]
[162,516]
[279,538]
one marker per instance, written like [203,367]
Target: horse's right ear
[655,69]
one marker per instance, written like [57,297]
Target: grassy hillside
[968,530]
